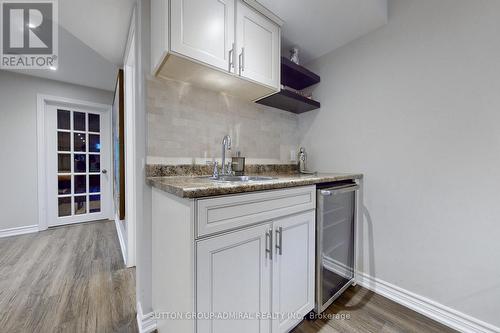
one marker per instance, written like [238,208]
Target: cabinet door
[258,46]
[203,30]
[159,33]
[234,276]
[293,270]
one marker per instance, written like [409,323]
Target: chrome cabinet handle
[325,192]
[279,240]
[241,59]
[269,235]
[231,58]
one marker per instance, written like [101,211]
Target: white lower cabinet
[234,277]
[264,274]
[293,270]
[242,263]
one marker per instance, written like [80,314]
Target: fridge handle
[339,190]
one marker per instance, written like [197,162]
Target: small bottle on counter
[302,157]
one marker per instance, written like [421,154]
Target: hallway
[66,279]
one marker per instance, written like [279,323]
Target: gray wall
[18,141]
[186,122]
[415,107]
[78,64]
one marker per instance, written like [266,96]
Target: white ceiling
[78,64]
[318,27]
[100,24]
[92,40]
[93,33]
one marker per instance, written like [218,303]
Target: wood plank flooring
[359,310]
[67,279]
[72,279]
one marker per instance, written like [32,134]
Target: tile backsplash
[186,125]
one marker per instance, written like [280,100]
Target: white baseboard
[429,308]
[18,231]
[145,322]
[121,239]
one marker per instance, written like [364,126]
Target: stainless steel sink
[241,178]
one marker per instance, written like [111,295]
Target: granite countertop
[197,187]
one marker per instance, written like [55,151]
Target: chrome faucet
[226,144]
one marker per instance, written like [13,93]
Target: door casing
[43,101]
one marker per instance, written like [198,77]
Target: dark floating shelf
[296,76]
[290,101]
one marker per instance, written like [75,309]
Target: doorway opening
[74,161]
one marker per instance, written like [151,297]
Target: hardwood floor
[359,310]
[72,279]
[67,279]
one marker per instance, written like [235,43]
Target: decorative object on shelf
[294,55]
[306,94]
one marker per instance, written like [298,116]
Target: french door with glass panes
[78,161]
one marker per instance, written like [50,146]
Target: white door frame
[130,84]
[42,102]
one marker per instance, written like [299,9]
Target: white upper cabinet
[221,45]
[258,46]
[203,30]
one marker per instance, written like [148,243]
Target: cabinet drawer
[219,214]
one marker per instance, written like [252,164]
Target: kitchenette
[250,166]
[244,236]
[254,253]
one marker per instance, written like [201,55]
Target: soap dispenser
[302,157]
